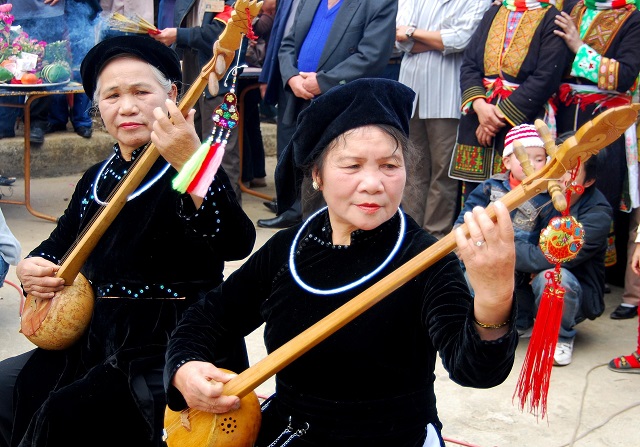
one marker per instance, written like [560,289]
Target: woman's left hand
[174,136]
[489,257]
[568,31]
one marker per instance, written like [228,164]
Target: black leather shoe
[84,132]
[285,220]
[272,205]
[624,312]
[36,136]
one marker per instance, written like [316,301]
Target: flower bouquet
[24,60]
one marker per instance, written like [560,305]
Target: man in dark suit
[329,43]
[270,79]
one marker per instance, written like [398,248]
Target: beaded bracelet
[491,326]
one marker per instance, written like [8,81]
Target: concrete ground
[588,405]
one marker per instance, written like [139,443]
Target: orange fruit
[29,78]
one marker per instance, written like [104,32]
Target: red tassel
[560,242]
[250,34]
[535,376]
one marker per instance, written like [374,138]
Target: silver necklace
[133,195]
[308,288]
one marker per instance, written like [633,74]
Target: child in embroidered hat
[528,219]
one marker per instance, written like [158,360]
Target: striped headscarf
[524,5]
[608,4]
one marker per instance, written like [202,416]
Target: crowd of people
[478,71]
[397,124]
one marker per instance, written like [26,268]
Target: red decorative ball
[562,239]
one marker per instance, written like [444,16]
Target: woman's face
[362,180]
[128,93]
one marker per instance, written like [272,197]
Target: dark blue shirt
[317,36]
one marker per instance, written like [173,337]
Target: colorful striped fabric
[608,4]
[524,5]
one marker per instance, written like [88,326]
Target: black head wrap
[157,54]
[355,104]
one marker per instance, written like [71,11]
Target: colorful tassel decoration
[198,173]
[560,242]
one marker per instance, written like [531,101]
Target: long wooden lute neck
[587,141]
[228,42]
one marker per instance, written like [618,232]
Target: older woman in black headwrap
[160,252]
[372,382]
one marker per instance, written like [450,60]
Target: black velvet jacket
[370,383]
[154,260]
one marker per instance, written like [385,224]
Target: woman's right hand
[489,116]
[201,385]
[38,279]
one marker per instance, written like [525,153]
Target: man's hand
[310,83]
[401,33]
[297,87]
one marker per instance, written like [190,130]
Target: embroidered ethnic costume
[511,63]
[603,75]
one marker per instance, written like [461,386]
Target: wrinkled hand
[174,136]
[297,87]
[568,31]
[38,279]
[201,385]
[489,258]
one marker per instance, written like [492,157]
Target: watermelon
[56,72]
[5,75]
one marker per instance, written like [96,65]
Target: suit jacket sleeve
[371,54]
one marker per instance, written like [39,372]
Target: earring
[315,186]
